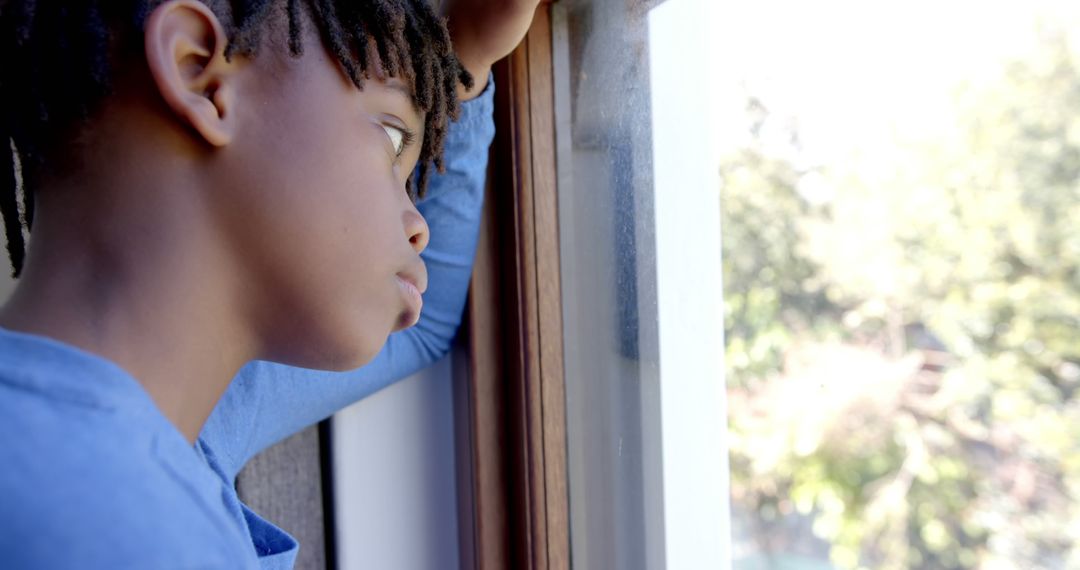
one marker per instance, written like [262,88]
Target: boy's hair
[57,59]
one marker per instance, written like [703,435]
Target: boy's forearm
[452,209]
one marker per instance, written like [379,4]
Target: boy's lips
[414,301]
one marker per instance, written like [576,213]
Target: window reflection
[605,201]
[640,247]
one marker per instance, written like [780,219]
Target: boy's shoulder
[86,482]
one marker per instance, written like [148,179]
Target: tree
[904,353]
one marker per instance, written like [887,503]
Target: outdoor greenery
[903,336]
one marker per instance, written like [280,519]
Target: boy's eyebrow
[398,85]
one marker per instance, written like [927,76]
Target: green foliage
[904,356]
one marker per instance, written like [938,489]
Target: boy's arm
[267,402]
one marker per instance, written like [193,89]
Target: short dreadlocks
[57,59]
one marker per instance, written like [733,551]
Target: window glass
[901,257]
[640,252]
[604,166]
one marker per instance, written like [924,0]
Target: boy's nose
[417,230]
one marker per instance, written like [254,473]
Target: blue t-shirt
[92,475]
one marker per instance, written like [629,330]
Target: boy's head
[275,139]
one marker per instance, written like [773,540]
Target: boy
[211,185]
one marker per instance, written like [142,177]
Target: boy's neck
[140,284]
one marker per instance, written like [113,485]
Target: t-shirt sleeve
[268,402]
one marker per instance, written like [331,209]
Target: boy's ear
[185,50]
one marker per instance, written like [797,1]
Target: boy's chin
[337,355]
[346,360]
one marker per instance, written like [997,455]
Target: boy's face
[313,196]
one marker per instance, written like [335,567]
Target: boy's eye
[397,138]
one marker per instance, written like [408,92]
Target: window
[639,222]
[890,193]
[901,260]
[597,401]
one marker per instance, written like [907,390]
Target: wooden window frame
[511,403]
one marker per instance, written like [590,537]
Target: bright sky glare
[856,73]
